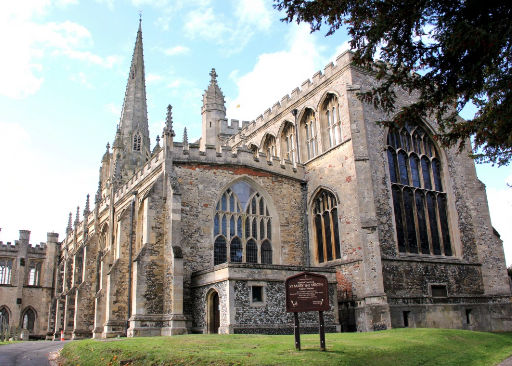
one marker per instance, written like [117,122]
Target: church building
[200,237]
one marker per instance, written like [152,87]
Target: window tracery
[269,146]
[242,219]
[309,142]
[288,143]
[330,122]
[5,271]
[419,201]
[34,273]
[325,226]
[28,320]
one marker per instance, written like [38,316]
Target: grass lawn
[392,347]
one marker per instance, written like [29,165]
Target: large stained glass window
[419,201]
[243,221]
[325,227]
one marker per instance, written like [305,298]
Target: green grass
[393,347]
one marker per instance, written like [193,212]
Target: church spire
[132,145]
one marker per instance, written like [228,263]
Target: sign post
[307,292]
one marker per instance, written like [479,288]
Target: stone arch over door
[212,312]
[28,319]
[5,316]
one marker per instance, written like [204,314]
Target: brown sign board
[307,291]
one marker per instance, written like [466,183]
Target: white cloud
[108,3]
[500,206]
[29,42]
[152,78]
[254,13]
[81,78]
[114,109]
[233,33]
[65,3]
[203,23]
[177,50]
[37,204]
[275,75]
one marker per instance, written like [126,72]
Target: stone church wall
[410,276]
[202,186]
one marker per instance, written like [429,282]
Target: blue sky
[63,74]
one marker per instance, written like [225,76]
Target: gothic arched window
[28,319]
[4,319]
[309,143]
[288,148]
[269,146]
[330,122]
[419,201]
[325,223]
[136,142]
[242,219]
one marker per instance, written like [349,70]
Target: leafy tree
[448,52]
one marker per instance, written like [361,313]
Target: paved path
[28,353]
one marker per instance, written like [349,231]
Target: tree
[449,52]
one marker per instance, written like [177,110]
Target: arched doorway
[213,312]
[28,320]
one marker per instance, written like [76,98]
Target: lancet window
[4,319]
[242,227]
[419,198]
[288,143]
[269,146]
[28,319]
[34,273]
[309,143]
[325,227]
[330,122]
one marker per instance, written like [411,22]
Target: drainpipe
[132,214]
[295,112]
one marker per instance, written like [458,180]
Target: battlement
[227,128]
[14,247]
[9,246]
[342,61]
[239,156]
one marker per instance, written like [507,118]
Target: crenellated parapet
[232,127]
[290,100]
[239,156]
[9,246]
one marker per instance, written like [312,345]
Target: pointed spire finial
[69,228]
[157,146]
[77,217]
[168,122]
[97,199]
[185,136]
[108,146]
[213,75]
[87,210]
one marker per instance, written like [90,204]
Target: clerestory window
[288,148]
[419,198]
[242,227]
[330,122]
[309,144]
[34,273]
